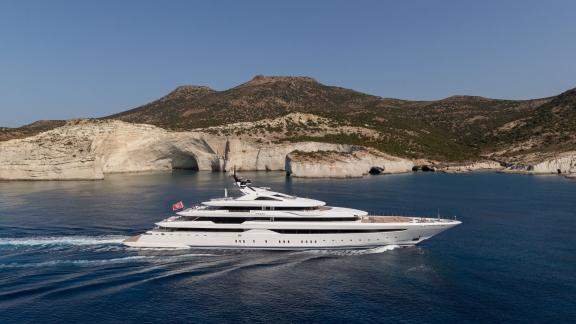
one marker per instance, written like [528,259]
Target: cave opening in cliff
[376,170]
[183,161]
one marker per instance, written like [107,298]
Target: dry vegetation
[274,109]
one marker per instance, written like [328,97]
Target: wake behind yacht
[264,219]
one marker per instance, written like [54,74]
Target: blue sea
[512,260]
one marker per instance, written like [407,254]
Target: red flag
[178,205]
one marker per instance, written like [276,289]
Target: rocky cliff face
[454,130]
[244,155]
[64,153]
[562,164]
[351,162]
[474,166]
[90,149]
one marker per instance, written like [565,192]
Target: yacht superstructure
[264,219]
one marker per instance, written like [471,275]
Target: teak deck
[387,219]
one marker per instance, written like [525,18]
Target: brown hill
[32,129]
[550,127]
[453,129]
[262,97]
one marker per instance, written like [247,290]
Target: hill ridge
[454,128]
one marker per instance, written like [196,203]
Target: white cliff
[549,163]
[62,154]
[91,149]
[244,155]
[473,166]
[354,163]
[88,150]
[564,163]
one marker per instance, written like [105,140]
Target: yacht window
[231,220]
[313,219]
[207,230]
[266,198]
[240,209]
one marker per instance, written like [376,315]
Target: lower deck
[268,239]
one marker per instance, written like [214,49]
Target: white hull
[410,234]
[265,219]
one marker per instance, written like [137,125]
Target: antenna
[438,215]
[225,193]
[234,175]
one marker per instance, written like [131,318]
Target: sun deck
[399,219]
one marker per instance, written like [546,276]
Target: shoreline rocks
[563,164]
[470,167]
[88,150]
[356,163]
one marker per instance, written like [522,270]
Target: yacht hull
[404,234]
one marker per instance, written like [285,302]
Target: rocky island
[303,127]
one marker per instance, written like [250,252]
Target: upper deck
[263,197]
[239,212]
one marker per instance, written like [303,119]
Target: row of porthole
[238,240]
[266,241]
[302,241]
[179,234]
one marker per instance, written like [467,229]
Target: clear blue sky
[70,59]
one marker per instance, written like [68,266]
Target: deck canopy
[263,197]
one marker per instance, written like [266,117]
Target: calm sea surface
[512,260]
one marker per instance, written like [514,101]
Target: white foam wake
[135,258]
[379,249]
[62,240]
[100,262]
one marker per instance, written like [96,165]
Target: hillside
[550,128]
[280,109]
[262,97]
[457,128]
[32,129]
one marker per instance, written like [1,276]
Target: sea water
[512,260]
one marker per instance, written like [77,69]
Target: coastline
[89,150]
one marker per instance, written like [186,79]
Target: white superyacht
[263,219]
